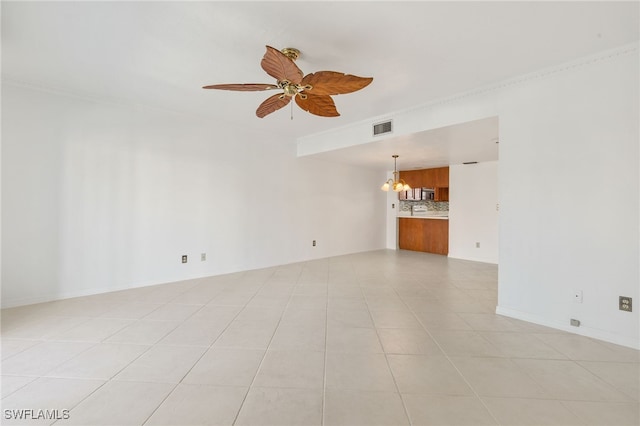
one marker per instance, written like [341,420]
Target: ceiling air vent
[382,128]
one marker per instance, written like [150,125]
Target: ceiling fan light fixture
[398,185]
[311,92]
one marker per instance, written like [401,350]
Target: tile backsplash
[434,206]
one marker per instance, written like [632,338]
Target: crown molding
[586,61]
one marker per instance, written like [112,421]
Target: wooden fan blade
[249,87]
[321,105]
[334,83]
[280,67]
[273,103]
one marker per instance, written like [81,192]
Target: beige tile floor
[378,338]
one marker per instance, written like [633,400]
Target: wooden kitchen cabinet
[426,235]
[436,178]
[410,234]
[427,178]
[441,177]
[441,194]
[413,178]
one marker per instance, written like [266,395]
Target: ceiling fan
[312,92]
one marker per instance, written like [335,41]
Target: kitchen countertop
[425,216]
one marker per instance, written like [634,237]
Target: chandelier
[396,184]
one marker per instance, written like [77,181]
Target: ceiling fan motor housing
[290,89]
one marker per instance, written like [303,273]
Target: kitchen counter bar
[431,236]
[424,217]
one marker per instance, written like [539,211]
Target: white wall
[569,188]
[393,206]
[473,218]
[100,197]
[569,198]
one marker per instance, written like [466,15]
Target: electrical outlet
[314,243]
[203,257]
[574,322]
[184,258]
[624,303]
[577,296]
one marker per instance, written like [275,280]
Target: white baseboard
[16,302]
[472,259]
[583,331]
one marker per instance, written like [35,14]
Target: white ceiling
[160,53]
[465,142]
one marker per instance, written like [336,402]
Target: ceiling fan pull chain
[291,111]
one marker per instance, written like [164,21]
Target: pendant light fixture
[396,184]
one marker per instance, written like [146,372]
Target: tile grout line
[614,386]
[448,359]
[201,356]
[44,376]
[110,380]
[386,358]
[324,367]
[266,351]
[395,287]
[84,399]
